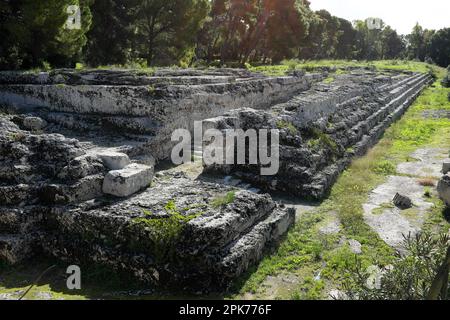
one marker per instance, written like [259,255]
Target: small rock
[355,246]
[114,160]
[402,202]
[125,182]
[34,123]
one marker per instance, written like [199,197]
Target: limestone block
[114,160]
[129,180]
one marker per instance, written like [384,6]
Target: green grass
[163,232]
[383,65]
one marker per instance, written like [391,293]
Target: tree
[279,26]
[35,32]
[392,44]
[439,49]
[346,40]
[165,30]
[419,43]
[111,35]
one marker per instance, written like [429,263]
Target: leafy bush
[418,274]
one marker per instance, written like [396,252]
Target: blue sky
[402,15]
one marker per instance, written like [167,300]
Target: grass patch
[163,232]
[341,66]
[222,201]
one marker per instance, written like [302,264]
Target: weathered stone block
[125,182]
[114,160]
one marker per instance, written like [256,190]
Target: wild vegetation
[149,33]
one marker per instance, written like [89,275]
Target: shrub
[412,276]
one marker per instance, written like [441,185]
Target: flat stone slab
[114,160]
[390,222]
[125,182]
[429,164]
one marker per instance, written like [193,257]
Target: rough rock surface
[323,128]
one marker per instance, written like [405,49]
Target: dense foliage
[199,32]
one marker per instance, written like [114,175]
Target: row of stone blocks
[349,123]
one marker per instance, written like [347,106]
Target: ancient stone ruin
[84,154]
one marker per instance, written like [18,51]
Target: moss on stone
[287,125]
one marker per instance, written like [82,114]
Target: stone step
[382,113]
[391,86]
[94,123]
[249,249]
[228,225]
[327,176]
[400,90]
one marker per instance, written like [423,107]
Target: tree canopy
[201,32]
